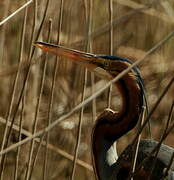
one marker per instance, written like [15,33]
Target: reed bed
[49,105]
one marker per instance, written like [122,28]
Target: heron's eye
[107,64]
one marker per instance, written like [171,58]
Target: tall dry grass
[39,90]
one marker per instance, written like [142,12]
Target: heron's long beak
[90,61]
[85,59]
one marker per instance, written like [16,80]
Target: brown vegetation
[37,89]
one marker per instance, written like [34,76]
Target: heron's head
[102,65]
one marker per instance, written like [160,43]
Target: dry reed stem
[169,165]
[79,126]
[47,135]
[6,136]
[14,13]
[29,165]
[36,155]
[3,31]
[29,69]
[136,146]
[31,52]
[111,45]
[23,88]
[59,29]
[88,16]
[94,108]
[88,47]
[19,139]
[20,61]
[40,27]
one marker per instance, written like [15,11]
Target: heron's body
[146,146]
[110,125]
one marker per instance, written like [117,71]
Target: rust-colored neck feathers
[110,125]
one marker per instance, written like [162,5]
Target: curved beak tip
[42,45]
[36,44]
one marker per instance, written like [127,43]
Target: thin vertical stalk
[40,28]
[88,48]
[27,75]
[6,137]
[88,4]
[167,125]
[88,16]
[109,96]
[29,167]
[137,144]
[111,37]
[45,169]
[79,126]
[37,152]
[23,102]
[169,117]
[2,35]
[31,53]
[88,13]
[19,139]
[169,166]
[111,46]
[94,109]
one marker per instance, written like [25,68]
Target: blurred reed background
[37,89]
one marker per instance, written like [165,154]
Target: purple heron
[110,126]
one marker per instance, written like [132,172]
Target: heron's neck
[110,126]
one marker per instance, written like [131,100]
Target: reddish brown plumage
[112,125]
